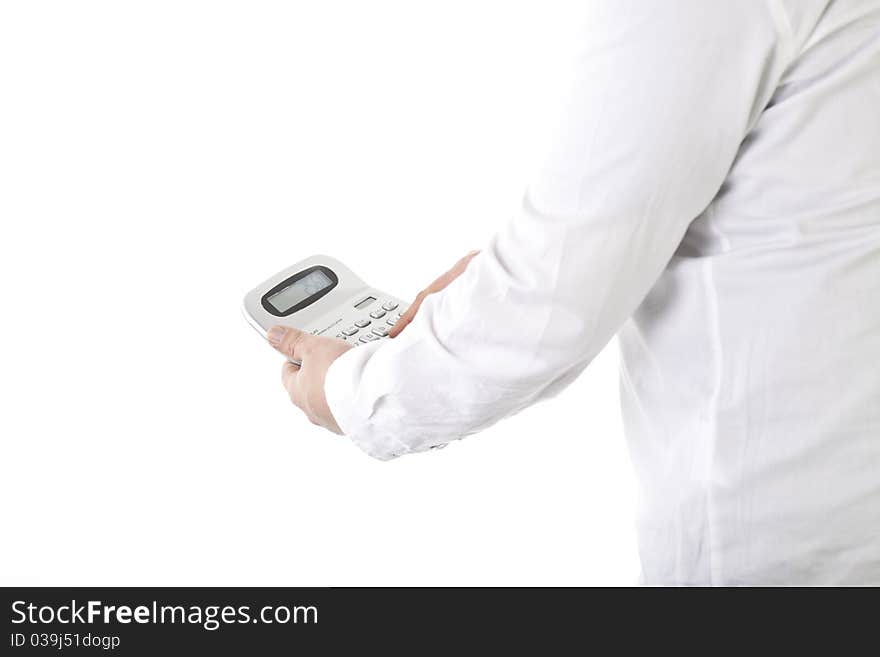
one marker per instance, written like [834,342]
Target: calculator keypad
[353,334]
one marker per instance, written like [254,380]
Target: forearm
[526,317]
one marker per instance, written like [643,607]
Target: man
[713,198]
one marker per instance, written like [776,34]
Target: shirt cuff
[341,385]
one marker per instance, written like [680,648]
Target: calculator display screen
[300,290]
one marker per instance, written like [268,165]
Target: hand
[439,284]
[305,384]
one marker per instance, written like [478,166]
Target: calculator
[322,296]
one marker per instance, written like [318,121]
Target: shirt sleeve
[662,97]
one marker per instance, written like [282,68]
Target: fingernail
[275,335]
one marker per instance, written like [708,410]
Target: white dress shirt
[713,198]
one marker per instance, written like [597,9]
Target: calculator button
[392,321]
[389,305]
[351,330]
[367,337]
[376,314]
[340,335]
[381,331]
[362,323]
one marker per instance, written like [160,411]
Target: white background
[158,159]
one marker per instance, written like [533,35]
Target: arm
[664,95]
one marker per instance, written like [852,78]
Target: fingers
[290,378]
[408,315]
[439,284]
[289,373]
[289,341]
[456,271]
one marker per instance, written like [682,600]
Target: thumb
[289,341]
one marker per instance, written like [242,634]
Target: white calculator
[322,296]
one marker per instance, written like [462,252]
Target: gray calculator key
[351,330]
[389,305]
[381,331]
[376,314]
[368,337]
[392,321]
[362,323]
